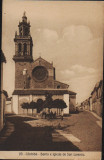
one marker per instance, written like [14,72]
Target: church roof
[61,83]
[43,92]
[41,59]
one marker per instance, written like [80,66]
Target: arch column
[30,98]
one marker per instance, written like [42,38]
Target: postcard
[52,80]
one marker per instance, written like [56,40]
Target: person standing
[62,113]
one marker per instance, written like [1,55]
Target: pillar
[30,98]
[66,100]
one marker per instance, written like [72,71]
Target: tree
[59,104]
[33,105]
[48,101]
[25,105]
[40,103]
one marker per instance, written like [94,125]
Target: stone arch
[19,47]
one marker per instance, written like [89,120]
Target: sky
[67,33]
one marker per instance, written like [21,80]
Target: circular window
[40,73]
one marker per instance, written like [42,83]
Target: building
[95,101]
[8,108]
[3,94]
[87,104]
[97,98]
[35,78]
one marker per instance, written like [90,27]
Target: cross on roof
[24,14]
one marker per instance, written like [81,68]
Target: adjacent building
[97,98]
[95,101]
[3,94]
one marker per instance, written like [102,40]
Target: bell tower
[23,54]
[23,42]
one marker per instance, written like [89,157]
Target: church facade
[35,78]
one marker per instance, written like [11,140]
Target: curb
[94,114]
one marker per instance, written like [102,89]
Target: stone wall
[49,82]
[19,78]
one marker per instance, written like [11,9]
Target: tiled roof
[42,92]
[72,93]
[97,85]
[9,98]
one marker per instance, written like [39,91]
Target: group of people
[50,114]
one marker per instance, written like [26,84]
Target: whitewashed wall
[66,99]
[15,104]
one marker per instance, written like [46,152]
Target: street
[78,132]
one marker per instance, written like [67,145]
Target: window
[26,31]
[19,47]
[25,48]
[58,86]
[24,71]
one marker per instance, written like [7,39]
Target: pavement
[78,132]
[99,121]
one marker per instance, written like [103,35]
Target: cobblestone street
[78,132]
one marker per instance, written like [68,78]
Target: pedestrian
[45,115]
[55,114]
[51,114]
[62,113]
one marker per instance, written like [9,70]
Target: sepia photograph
[51,79]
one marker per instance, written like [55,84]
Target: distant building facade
[35,78]
[95,101]
[97,98]
[3,94]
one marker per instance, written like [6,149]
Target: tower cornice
[22,58]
